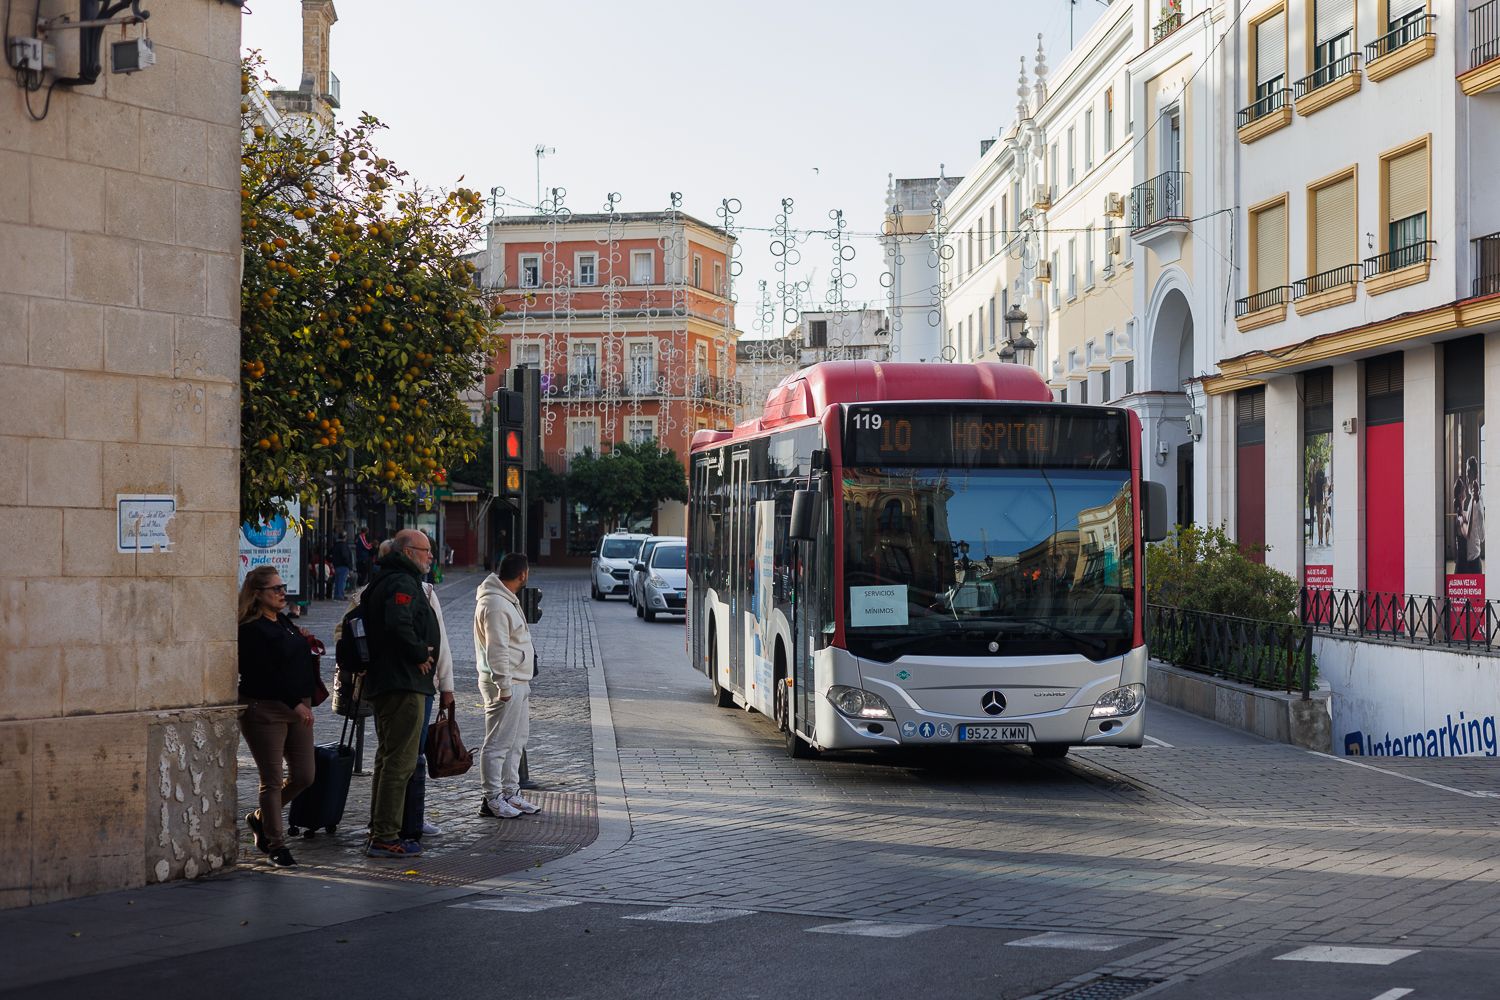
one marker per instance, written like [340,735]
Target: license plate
[994,734]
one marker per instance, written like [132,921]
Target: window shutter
[1334,233]
[1270,247]
[1397,9]
[1270,48]
[1406,185]
[1334,17]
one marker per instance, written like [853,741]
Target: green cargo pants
[398,726]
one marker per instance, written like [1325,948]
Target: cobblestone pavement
[560,754]
[1212,849]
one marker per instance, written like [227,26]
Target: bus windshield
[988,561]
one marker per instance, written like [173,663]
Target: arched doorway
[1172,365]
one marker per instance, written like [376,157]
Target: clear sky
[812,100]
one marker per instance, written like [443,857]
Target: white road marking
[514,904]
[1076,942]
[1395,994]
[872,928]
[692,914]
[1347,954]
[1159,743]
[1408,777]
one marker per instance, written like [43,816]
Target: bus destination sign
[998,435]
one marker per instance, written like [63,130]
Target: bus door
[739,515]
[812,573]
[760,621]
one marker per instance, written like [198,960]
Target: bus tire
[1049,751]
[722,697]
[797,748]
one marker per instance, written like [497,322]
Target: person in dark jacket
[342,562]
[404,645]
[278,677]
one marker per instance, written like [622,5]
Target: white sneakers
[518,803]
[428,830]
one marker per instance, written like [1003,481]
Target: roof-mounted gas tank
[809,392]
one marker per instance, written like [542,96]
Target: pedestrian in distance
[405,642]
[278,678]
[342,562]
[364,555]
[507,663]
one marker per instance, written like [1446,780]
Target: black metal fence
[1274,101]
[1484,33]
[1276,656]
[1159,199]
[1412,253]
[1411,618]
[1262,300]
[1166,25]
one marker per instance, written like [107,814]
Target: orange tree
[361,324]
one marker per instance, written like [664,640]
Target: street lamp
[1017,343]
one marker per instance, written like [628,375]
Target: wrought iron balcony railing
[1484,33]
[1274,101]
[1402,35]
[1324,280]
[1262,300]
[1395,260]
[1324,75]
[1166,26]
[1161,199]
[1487,265]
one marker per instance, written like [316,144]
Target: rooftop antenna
[542,150]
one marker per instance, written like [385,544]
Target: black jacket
[338,554]
[275,662]
[402,629]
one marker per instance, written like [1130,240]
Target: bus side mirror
[1153,512]
[804,515]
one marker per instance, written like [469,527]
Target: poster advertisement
[277,543]
[1317,522]
[1463,520]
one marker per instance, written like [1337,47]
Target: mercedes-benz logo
[993,702]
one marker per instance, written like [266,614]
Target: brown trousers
[274,733]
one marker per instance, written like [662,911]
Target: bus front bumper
[1071,726]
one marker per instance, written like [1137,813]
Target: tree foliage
[627,482]
[361,325]
[1203,569]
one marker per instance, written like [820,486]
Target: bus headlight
[857,703]
[1125,700]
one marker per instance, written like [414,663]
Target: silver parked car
[609,570]
[638,573]
[664,591]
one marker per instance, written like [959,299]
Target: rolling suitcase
[321,806]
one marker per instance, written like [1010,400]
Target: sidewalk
[333,881]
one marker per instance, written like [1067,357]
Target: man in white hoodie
[507,663]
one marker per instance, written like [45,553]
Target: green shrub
[1203,569]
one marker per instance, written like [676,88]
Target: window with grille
[642,366]
[817,333]
[1270,56]
[1333,36]
[1406,200]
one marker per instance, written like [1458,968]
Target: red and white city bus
[923,554]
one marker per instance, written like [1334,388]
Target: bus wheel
[796,747]
[1049,751]
[722,697]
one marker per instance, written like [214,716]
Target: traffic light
[510,442]
[527,381]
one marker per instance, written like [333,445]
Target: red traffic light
[512,444]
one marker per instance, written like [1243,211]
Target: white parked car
[609,570]
[664,591]
[638,574]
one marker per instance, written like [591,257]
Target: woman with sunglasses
[278,678]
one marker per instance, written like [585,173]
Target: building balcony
[651,385]
[1327,85]
[1483,74]
[1158,213]
[1326,289]
[1407,45]
[716,389]
[1272,112]
[1408,265]
[1486,265]
[1168,24]
[1262,309]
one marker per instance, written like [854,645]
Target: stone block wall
[119,356]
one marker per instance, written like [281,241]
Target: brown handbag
[446,756]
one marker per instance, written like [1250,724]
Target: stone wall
[119,357]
